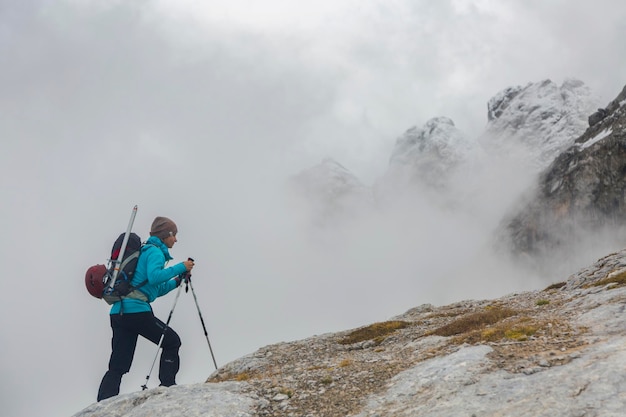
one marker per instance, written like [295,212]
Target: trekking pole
[167,323]
[206,334]
[117,262]
[203,326]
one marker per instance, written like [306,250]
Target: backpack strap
[132,257]
[133,294]
[141,284]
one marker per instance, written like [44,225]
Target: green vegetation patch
[474,321]
[515,331]
[326,380]
[376,332]
[520,333]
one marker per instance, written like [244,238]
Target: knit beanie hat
[162,227]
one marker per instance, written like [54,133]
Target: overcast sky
[199,111]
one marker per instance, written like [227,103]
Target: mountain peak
[542,117]
[428,154]
[439,135]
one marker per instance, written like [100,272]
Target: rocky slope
[557,352]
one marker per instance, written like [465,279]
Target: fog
[201,111]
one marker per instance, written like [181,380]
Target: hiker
[132,317]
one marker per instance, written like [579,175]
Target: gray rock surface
[591,384]
[207,400]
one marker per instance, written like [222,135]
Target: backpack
[98,277]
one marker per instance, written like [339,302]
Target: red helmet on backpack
[94,280]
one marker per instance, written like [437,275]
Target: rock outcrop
[579,205]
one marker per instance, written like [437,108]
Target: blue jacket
[150,266]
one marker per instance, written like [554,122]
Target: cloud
[200,111]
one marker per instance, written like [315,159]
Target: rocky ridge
[534,122]
[541,119]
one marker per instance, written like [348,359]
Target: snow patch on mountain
[605,133]
[542,117]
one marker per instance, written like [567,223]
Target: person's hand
[189,264]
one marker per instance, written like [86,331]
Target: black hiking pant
[126,329]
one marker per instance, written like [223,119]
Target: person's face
[170,240]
